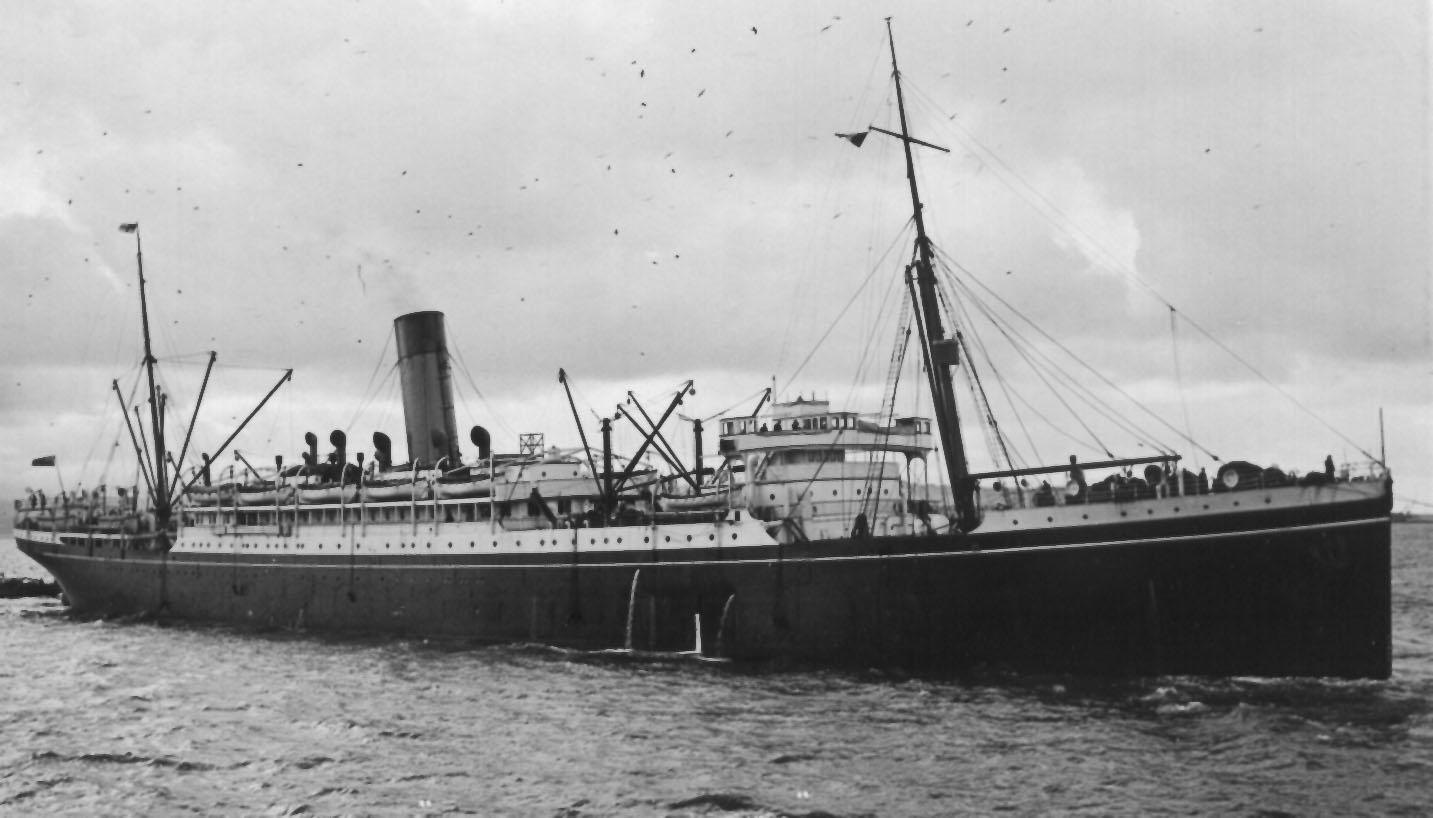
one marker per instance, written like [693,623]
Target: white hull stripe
[391,566]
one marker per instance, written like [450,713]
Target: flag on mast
[47,460]
[855,138]
[129,227]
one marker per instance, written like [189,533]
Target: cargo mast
[160,490]
[940,351]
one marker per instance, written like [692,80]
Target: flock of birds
[471,229]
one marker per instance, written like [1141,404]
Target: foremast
[163,488]
[160,490]
[940,352]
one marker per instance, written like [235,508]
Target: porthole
[668,538]
[773,496]
[711,536]
[1015,522]
[1084,516]
[1124,513]
[689,538]
[1236,502]
[733,535]
[1268,500]
[1151,511]
[646,539]
[619,540]
[1049,519]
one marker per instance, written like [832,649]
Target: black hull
[1279,593]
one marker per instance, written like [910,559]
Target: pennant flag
[854,138]
[129,227]
[47,460]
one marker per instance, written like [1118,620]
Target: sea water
[138,718]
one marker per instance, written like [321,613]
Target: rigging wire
[876,468]
[985,402]
[1178,376]
[995,439]
[746,399]
[463,365]
[842,313]
[1062,220]
[804,273]
[1025,351]
[1032,355]
[371,396]
[1103,379]
[865,362]
[1000,380]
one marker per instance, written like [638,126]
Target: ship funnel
[428,416]
[483,441]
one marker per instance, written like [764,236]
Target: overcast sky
[645,193]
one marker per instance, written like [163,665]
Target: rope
[1179,377]
[463,366]
[1103,379]
[1058,218]
[1030,352]
[849,302]
[1000,380]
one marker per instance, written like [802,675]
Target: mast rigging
[940,352]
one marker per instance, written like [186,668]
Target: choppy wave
[143,718]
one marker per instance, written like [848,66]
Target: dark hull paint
[1302,592]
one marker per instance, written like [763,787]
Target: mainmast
[160,492]
[941,352]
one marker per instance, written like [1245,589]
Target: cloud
[1083,220]
[641,194]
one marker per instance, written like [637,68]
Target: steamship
[811,539]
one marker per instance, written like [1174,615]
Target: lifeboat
[207,495]
[705,501]
[398,488]
[461,486]
[264,494]
[328,493]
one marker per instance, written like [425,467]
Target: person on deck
[1077,475]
